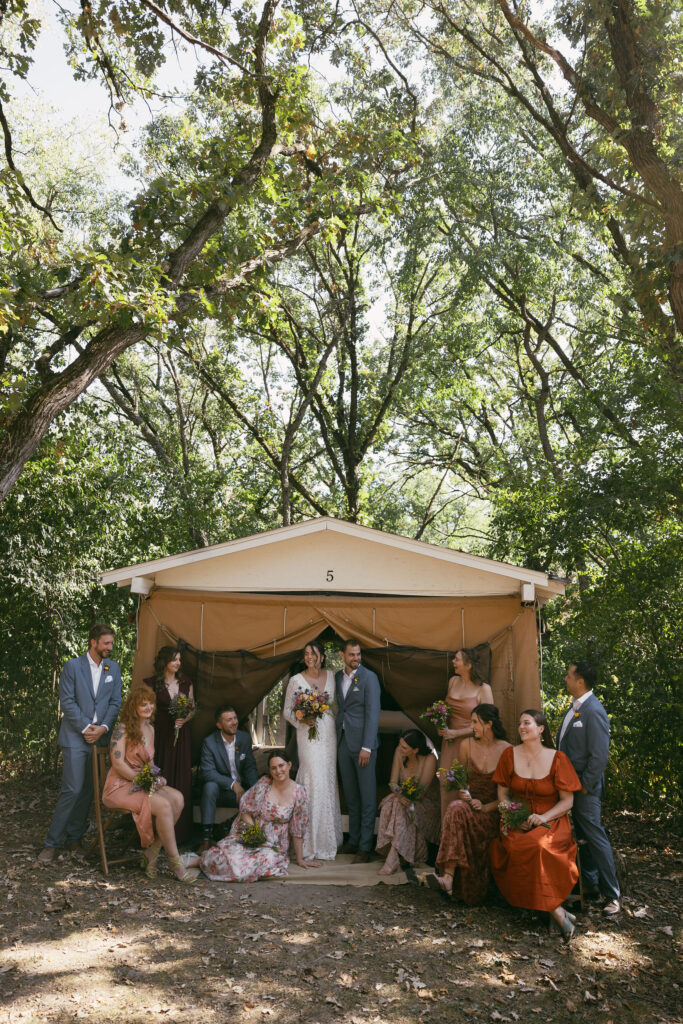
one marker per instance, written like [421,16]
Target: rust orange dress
[116,792]
[536,869]
[459,718]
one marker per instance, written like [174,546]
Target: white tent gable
[332,555]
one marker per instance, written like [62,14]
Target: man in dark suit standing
[228,769]
[358,701]
[90,699]
[584,738]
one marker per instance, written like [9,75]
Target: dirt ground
[81,947]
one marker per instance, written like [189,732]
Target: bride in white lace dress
[317,758]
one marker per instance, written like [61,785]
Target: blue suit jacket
[586,744]
[358,715]
[216,766]
[79,704]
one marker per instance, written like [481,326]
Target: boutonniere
[577,714]
[106,668]
[354,680]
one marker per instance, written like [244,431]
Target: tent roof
[332,556]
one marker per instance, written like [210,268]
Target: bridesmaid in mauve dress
[466,690]
[154,813]
[404,831]
[174,758]
[535,866]
[471,820]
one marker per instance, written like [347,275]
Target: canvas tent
[243,610]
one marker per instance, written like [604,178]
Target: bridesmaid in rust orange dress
[466,690]
[535,866]
[154,814]
[471,820]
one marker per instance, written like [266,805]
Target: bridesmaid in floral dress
[471,821]
[280,806]
[466,690]
[403,831]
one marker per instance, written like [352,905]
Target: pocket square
[242,757]
[578,725]
[356,689]
[109,679]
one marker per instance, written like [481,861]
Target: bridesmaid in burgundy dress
[466,690]
[174,759]
[471,820]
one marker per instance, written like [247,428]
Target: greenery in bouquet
[251,835]
[513,814]
[148,780]
[454,777]
[180,707]
[437,714]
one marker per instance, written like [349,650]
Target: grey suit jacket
[358,714]
[586,744]
[216,766]
[79,704]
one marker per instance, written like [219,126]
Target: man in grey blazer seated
[228,769]
[584,738]
[358,701]
[90,699]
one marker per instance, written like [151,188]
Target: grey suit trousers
[597,859]
[70,816]
[360,790]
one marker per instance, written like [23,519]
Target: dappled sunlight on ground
[81,947]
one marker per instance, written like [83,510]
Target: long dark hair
[490,713]
[415,739]
[317,646]
[164,655]
[540,719]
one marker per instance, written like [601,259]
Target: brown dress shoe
[47,854]
[75,849]
[348,848]
[362,857]
[204,846]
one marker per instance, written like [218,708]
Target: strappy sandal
[182,873]
[149,864]
[438,885]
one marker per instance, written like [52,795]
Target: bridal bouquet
[251,835]
[438,714]
[311,704]
[454,777]
[179,708]
[512,815]
[148,780]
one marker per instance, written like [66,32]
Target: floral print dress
[229,861]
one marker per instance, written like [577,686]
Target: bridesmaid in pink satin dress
[466,690]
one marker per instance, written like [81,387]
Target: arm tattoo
[118,732]
[117,753]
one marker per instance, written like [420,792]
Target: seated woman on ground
[154,813]
[407,823]
[471,821]
[279,806]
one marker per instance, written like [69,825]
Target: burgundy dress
[175,761]
[466,836]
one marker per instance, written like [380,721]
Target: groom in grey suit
[584,738]
[90,699]
[358,701]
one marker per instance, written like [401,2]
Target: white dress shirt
[230,751]
[570,714]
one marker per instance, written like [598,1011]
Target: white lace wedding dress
[318,773]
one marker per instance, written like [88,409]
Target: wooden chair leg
[582,901]
[98,810]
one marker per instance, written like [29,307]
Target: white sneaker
[611,908]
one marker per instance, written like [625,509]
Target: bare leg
[165,817]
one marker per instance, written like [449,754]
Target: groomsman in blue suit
[90,699]
[358,700]
[228,769]
[584,738]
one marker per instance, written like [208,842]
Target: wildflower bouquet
[180,707]
[311,704]
[438,714]
[513,814]
[148,780]
[454,777]
[251,835]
